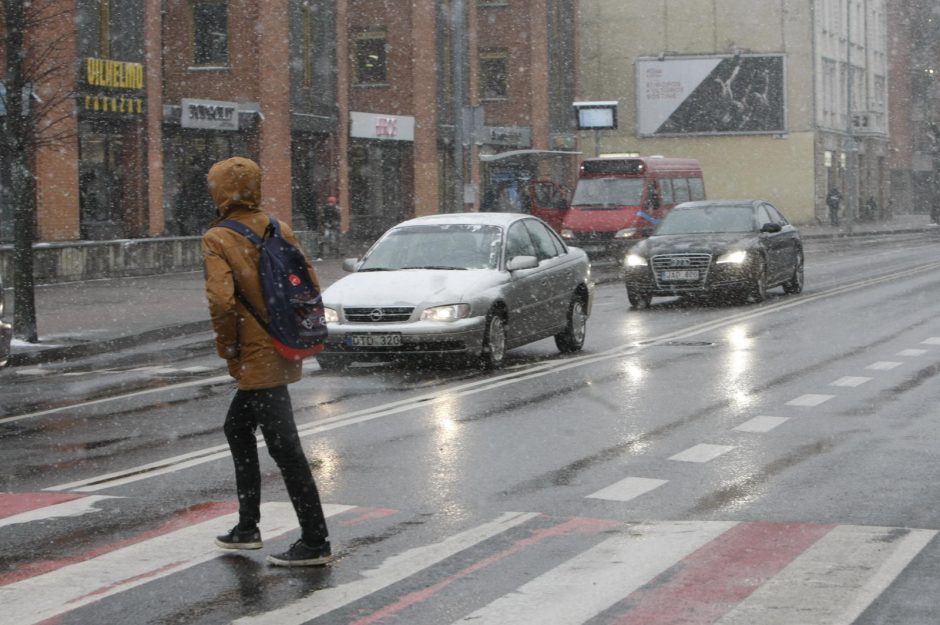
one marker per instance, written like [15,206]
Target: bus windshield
[607,193]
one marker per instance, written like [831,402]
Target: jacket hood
[235,181]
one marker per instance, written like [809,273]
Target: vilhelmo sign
[112,87]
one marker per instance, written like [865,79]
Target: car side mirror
[350,264]
[522,262]
[771,228]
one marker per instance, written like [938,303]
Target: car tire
[572,338]
[494,342]
[795,284]
[758,289]
[638,300]
[333,362]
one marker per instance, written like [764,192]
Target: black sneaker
[300,554]
[240,539]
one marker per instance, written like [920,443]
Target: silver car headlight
[330,315]
[735,258]
[635,260]
[626,233]
[567,233]
[451,312]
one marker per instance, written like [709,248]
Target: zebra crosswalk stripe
[42,597]
[392,570]
[591,582]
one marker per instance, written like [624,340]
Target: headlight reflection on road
[448,449]
[738,367]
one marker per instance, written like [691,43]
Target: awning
[523,153]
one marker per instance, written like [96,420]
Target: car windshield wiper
[376,269]
[437,267]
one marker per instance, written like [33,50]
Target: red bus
[619,199]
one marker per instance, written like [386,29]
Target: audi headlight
[452,312]
[567,233]
[330,315]
[626,233]
[635,260]
[735,258]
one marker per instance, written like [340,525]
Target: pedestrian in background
[330,220]
[833,201]
[262,399]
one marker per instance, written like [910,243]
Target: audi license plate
[374,340]
[680,274]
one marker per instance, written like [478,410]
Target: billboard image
[740,94]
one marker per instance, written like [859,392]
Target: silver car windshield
[708,220]
[608,192]
[436,246]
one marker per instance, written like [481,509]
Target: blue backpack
[296,322]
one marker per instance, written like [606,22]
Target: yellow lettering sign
[114,74]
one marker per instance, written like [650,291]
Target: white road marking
[833,581]
[32,372]
[761,424]
[884,365]
[75,507]
[850,381]
[627,489]
[392,570]
[42,597]
[701,453]
[934,340]
[912,352]
[591,582]
[809,400]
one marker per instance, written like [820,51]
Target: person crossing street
[262,374]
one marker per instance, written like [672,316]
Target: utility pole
[851,145]
[458,22]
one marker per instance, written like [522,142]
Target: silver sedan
[463,284]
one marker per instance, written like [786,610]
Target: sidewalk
[84,318]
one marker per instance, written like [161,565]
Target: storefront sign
[517,136]
[209,114]
[382,127]
[112,87]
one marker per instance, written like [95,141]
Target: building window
[370,58]
[492,3]
[494,74]
[104,29]
[210,33]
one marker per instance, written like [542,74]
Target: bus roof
[637,165]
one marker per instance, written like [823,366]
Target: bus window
[697,188]
[665,191]
[680,190]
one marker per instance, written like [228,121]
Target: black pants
[270,409]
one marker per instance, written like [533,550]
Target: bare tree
[38,76]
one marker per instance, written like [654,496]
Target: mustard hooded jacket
[232,261]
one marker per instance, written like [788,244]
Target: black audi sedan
[738,248]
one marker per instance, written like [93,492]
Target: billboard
[733,94]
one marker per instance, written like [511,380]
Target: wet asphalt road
[810,411]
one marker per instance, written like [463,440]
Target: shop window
[370,58]
[494,74]
[210,33]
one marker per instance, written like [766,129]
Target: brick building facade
[387,107]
